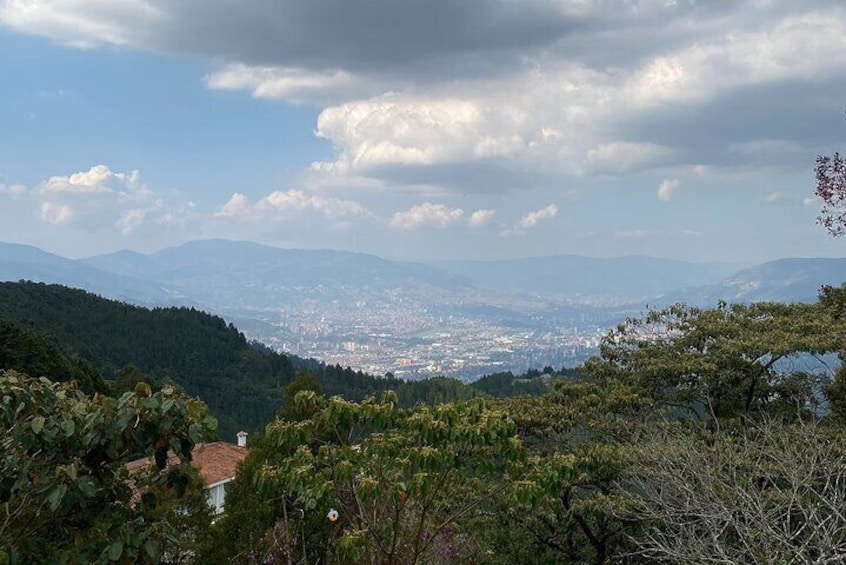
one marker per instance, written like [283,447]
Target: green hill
[243,383]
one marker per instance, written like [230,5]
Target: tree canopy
[66,492]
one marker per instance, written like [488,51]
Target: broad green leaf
[151,546]
[38,424]
[116,550]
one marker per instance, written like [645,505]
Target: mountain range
[220,271]
[445,317]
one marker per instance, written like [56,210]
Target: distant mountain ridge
[26,262]
[782,280]
[236,274]
[416,320]
[219,272]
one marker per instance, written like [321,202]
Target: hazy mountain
[783,280]
[459,318]
[574,276]
[26,262]
[240,274]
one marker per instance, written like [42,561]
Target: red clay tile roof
[218,461]
[215,461]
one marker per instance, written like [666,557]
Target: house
[217,463]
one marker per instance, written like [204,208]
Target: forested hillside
[192,349]
[28,352]
[66,333]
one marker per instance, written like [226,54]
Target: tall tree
[831,189]
[66,493]
[769,493]
[720,362]
[401,481]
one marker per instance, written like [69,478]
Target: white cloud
[56,213]
[93,200]
[98,179]
[532,219]
[810,201]
[237,205]
[427,214]
[774,198]
[130,220]
[620,156]
[800,46]
[525,90]
[282,202]
[667,189]
[481,217]
[289,83]
[13,190]
[397,130]
[766,147]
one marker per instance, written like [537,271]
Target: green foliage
[26,351]
[402,481]
[65,489]
[303,380]
[683,409]
[721,362]
[533,383]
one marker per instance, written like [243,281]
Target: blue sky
[422,130]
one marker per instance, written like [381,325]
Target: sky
[422,129]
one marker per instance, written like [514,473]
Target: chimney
[242,439]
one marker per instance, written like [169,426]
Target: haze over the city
[422,130]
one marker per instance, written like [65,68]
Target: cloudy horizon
[422,129]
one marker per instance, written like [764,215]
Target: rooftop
[216,461]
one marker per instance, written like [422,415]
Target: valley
[416,320]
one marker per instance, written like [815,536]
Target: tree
[564,503]
[303,380]
[770,493]
[29,352]
[720,362]
[66,493]
[402,481]
[831,189]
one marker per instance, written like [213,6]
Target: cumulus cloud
[774,198]
[53,213]
[406,91]
[481,217]
[282,202]
[131,219]
[293,84]
[99,179]
[667,189]
[237,205]
[532,219]
[93,200]
[782,198]
[427,214]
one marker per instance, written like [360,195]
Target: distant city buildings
[414,344]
